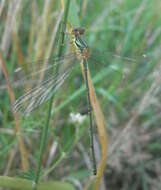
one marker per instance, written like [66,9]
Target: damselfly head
[78,31]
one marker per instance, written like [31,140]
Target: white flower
[77,118]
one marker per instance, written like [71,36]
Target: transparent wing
[44,90]
[118,63]
[39,70]
[107,55]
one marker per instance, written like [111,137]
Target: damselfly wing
[45,81]
[42,89]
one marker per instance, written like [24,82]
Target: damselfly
[51,78]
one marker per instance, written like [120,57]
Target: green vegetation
[124,38]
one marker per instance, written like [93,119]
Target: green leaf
[73,17]
[19,184]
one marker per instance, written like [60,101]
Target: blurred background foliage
[128,89]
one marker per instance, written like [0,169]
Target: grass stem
[46,127]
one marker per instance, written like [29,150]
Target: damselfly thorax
[81,48]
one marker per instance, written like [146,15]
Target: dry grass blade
[52,39]
[100,121]
[62,4]
[20,56]
[23,151]
[13,10]
[32,31]
[43,32]
[2,6]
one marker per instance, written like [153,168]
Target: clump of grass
[129,92]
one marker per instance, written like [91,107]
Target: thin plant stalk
[25,184]
[23,152]
[45,129]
